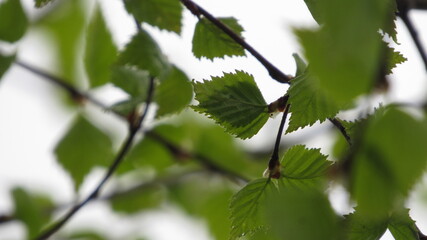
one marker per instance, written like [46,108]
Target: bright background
[32,119]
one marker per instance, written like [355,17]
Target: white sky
[32,120]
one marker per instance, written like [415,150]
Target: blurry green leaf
[313,7]
[233,101]
[149,153]
[42,3]
[174,93]
[402,227]
[5,63]
[308,103]
[301,65]
[13,21]
[300,163]
[127,106]
[207,197]
[344,54]
[301,215]
[244,209]
[359,227]
[100,50]
[136,201]
[164,14]
[209,41]
[32,210]
[143,52]
[85,235]
[131,80]
[66,25]
[390,160]
[82,148]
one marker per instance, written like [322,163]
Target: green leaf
[313,7]
[390,160]
[131,80]
[5,63]
[100,50]
[301,65]
[301,163]
[32,210]
[85,235]
[211,42]
[345,53]
[164,14]
[205,197]
[393,58]
[174,93]
[42,3]
[360,227]
[244,208]
[233,101]
[143,52]
[300,214]
[149,153]
[133,202]
[82,148]
[66,25]
[308,103]
[402,227]
[13,21]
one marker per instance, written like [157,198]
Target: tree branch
[75,94]
[341,128]
[274,72]
[404,7]
[134,128]
[205,161]
[274,163]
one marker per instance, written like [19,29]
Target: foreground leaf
[100,51]
[233,101]
[32,210]
[174,93]
[209,41]
[134,202]
[164,14]
[308,103]
[244,206]
[143,52]
[300,163]
[82,148]
[42,3]
[13,21]
[391,159]
[359,227]
[345,54]
[402,227]
[5,63]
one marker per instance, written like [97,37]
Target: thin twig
[342,129]
[76,94]
[404,15]
[134,128]
[207,162]
[274,163]
[274,72]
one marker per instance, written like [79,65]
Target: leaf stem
[274,163]
[134,128]
[274,72]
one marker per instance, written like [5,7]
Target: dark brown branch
[134,128]
[274,163]
[341,128]
[404,7]
[205,161]
[274,72]
[75,94]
